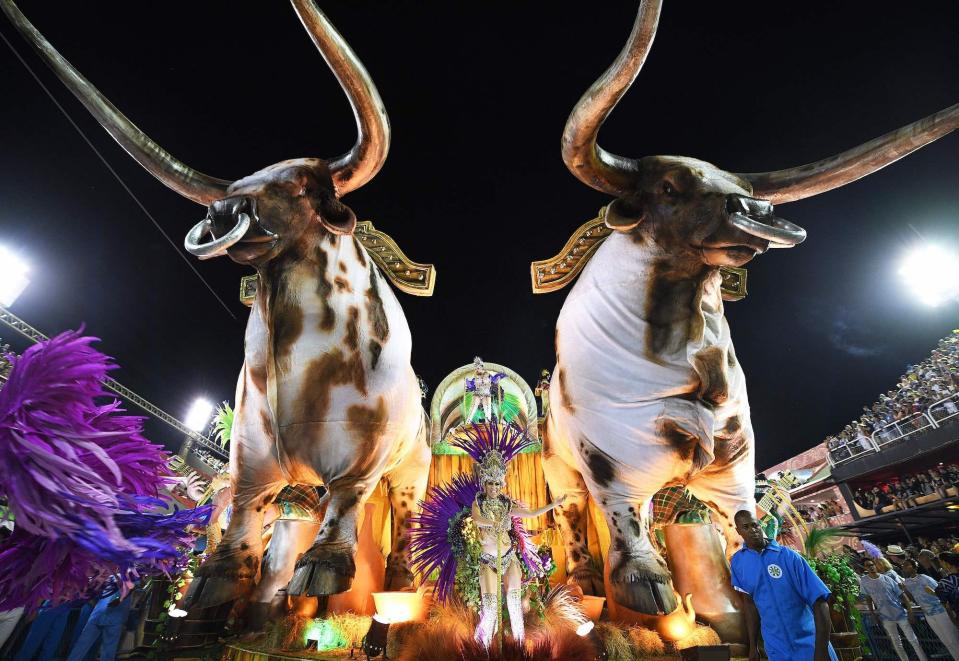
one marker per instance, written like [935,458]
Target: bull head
[691,208]
[257,217]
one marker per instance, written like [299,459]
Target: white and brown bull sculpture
[327,394]
[647,391]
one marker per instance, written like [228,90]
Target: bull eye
[668,189]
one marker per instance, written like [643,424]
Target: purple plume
[80,479]
[478,439]
[527,550]
[871,549]
[430,546]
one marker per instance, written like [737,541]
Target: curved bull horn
[589,162]
[805,181]
[186,181]
[364,160]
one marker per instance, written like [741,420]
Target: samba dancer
[493,514]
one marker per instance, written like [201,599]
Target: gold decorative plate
[558,271]
[407,275]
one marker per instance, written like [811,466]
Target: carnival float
[589,516]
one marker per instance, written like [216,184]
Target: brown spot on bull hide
[366,425]
[375,350]
[342,266]
[324,289]
[267,425]
[731,358]
[731,445]
[352,339]
[601,468]
[564,390]
[360,251]
[709,363]
[329,370]
[684,442]
[287,324]
[671,298]
[342,284]
[379,326]
[258,377]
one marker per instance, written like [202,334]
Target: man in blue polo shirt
[783,594]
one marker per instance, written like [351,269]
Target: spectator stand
[926,398]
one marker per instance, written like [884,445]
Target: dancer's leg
[514,600]
[489,585]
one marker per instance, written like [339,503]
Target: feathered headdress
[492,446]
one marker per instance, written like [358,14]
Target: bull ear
[623,215]
[333,214]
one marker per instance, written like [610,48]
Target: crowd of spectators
[904,491]
[820,512]
[925,387]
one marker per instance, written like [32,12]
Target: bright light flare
[932,273]
[200,415]
[13,276]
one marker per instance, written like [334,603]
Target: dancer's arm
[532,514]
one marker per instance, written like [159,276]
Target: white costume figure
[481,385]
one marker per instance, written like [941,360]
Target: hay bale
[646,642]
[351,627]
[616,642]
[701,635]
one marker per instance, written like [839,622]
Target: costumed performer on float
[506,550]
[481,387]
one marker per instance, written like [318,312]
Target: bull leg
[639,577]
[291,538]
[328,566]
[727,490]
[407,488]
[232,569]
[570,518]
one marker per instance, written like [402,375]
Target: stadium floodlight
[13,276]
[200,414]
[932,274]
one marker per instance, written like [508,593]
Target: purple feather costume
[81,482]
[436,540]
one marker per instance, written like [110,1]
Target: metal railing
[32,334]
[849,450]
[898,429]
[882,648]
[945,409]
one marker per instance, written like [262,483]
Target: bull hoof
[397,578]
[588,580]
[209,591]
[642,585]
[322,571]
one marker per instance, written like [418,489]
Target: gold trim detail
[553,274]
[734,283]
[558,271]
[407,275]
[248,287]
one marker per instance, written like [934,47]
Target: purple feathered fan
[80,480]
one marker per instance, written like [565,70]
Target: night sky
[478,94]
